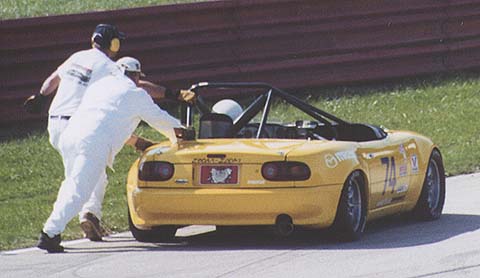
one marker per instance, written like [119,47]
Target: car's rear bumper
[312,206]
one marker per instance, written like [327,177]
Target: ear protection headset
[113,45]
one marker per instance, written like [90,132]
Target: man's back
[79,71]
[109,113]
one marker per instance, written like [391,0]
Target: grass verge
[11,9]
[30,174]
[445,110]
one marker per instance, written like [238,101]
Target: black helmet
[107,36]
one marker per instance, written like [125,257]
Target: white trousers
[94,204]
[84,166]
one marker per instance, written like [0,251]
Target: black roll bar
[314,112]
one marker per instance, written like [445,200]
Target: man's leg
[82,173]
[91,212]
[55,129]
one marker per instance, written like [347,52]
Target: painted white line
[64,243]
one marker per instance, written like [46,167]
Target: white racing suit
[78,72]
[94,202]
[109,113]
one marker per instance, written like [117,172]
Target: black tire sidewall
[342,227]
[156,234]
[422,209]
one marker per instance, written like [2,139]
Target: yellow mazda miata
[244,169]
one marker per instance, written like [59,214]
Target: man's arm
[161,92]
[50,84]
[154,90]
[156,117]
[35,103]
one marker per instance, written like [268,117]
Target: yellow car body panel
[183,200]
[312,206]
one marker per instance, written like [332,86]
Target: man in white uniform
[72,78]
[75,74]
[109,112]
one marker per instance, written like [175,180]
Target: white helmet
[228,107]
[130,64]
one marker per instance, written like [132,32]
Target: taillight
[155,171]
[285,171]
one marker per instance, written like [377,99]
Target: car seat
[213,125]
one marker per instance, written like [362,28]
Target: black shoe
[52,245]
[91,227]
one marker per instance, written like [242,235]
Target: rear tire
[155,234]
[430,204]
[351,216]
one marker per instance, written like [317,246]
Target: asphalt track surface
[399,247]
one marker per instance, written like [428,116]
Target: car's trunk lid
[221,162]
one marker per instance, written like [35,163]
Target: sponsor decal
[332,160]
[256,182]
[80,74]
[341,156]
[402,188]
[402,151]
[389,201]
[414,163]
[403,170]
[384,202]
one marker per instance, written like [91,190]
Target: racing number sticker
[390,173]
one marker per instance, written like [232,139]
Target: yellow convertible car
[314,170]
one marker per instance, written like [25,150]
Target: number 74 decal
[390,173]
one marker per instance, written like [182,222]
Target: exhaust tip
[284,225]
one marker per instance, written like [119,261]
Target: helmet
[228,107]
[130,64]
[107,36]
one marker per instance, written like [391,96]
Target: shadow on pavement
[391,233]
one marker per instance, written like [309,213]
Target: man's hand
[35,103]
[181,95]
[187,96]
